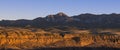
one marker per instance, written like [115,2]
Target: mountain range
[62,20]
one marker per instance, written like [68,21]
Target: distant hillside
[81,21]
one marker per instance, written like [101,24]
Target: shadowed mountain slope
[81,21]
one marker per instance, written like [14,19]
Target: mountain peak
[50,16]
[61,14]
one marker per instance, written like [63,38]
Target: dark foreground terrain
[69,48]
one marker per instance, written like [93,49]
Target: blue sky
[30,9]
